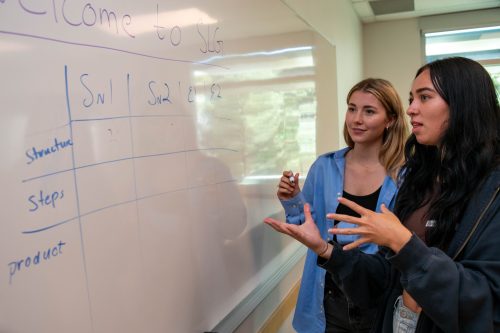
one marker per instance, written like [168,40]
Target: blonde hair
[391,153]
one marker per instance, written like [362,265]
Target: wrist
[323,250]
[399,242]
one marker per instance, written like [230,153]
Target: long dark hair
[469,148]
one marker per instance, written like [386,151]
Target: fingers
[354,244]
[285,189]
[385,210]
[285,185]
[350,231]
[278,225]
[344,231]
[273,223]
[289,180]
[288,175]
[344,218]
[307,212]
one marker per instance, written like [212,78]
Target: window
[480,44]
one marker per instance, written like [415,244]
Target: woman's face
[428,111]
[366,118]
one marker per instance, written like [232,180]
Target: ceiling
[383,10]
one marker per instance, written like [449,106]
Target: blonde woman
[375,131]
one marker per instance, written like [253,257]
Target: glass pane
[478,44]
[481,44]
[494,71]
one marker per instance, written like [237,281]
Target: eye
[410,100]
[424,98]
[370,111]
[350,109]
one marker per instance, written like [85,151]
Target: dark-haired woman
[438,269]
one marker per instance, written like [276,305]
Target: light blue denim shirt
[324,183]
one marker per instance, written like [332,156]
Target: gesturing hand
[380,228]
[307,233]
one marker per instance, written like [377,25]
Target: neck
[365,154]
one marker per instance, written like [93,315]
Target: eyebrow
[364,106]
[420,90]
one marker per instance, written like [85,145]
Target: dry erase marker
[291,178]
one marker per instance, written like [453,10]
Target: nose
[411,109]
[358,117]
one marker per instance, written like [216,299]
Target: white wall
[392,51]
[338,23]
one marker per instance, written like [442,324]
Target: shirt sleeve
[362,277]
[294,209]
[458,296]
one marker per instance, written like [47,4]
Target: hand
[287,190]
[383,228]
[307,233]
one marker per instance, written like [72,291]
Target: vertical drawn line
[134,171]
[132,138]
[77,195]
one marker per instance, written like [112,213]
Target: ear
[391,122]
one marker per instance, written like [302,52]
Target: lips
[358,130]
[415,123]
[416,126]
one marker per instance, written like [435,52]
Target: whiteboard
[141,146]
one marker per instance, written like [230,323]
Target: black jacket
[459,291]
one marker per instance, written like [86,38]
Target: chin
[427,142]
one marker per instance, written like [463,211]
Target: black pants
[342,317]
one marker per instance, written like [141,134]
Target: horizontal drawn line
[20,34]
[46,175]
[125,117]
[143,116]
[34,231]
[123,159]
[50,226]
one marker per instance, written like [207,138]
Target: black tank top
[367,201]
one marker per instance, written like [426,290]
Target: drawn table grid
[75,168]
[130,171]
